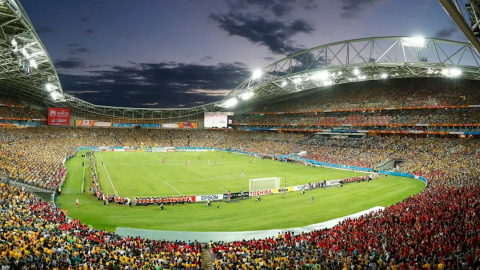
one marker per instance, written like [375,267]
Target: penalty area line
[172,187]
[116,194]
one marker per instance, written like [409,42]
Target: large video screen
[218,120]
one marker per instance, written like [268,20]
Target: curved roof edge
[376,58]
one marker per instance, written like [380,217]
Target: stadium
[360,153]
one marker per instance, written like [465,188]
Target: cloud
[446,32]
[80,50]
[278,8]
[148,104]
[212,93]
[352,8]
[44,30]
[85,19]
[269,58]
[73,45]
[274,34]
[89,32]
[70,63]
[169,84]
[206,58]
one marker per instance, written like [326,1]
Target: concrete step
[207,262]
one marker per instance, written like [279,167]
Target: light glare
[33,64]
[247,95]
[297,80]
[231,103]
[414,42]
[356,72]
[257,74]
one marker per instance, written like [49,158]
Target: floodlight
[246,95]
[455,72]
[49,87]
[284,83]
[297,80]
[54,95]
[414,42]
[33,64]
[384,75]
[230,103]
[339,73]
[14,42]
[257,74]
[323,75]
[356,72]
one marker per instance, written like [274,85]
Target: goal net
[264,183]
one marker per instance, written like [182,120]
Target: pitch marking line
[116,194]
[172,187]
[222,189]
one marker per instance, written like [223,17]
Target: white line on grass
[172,188]
[222,189]
[116,194]
[84,163]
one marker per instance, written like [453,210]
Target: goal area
[264,183]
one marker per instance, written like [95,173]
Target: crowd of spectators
[409,117]
[37,235]
[418,92]
[12,109]
[422,231]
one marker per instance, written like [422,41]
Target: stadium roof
[27,71]
[379,58]
[25,68]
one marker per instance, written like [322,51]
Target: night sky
[183,53]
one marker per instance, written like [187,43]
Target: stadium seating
[438,227]
[37,235]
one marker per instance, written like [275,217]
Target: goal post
[264,183]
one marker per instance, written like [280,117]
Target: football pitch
[142,174]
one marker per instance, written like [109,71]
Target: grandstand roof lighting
[246,95]
[453,72]
[414,42]
[384,75]
[297,80]
[54,95]
[323,75]
[257,74]
[339,73]
[231,103]
[356,72]
[284,83]
[33,64]
[49,87]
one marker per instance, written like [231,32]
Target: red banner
[58,116]
[187,125]
[85,123]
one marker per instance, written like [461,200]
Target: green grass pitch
[141,174]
